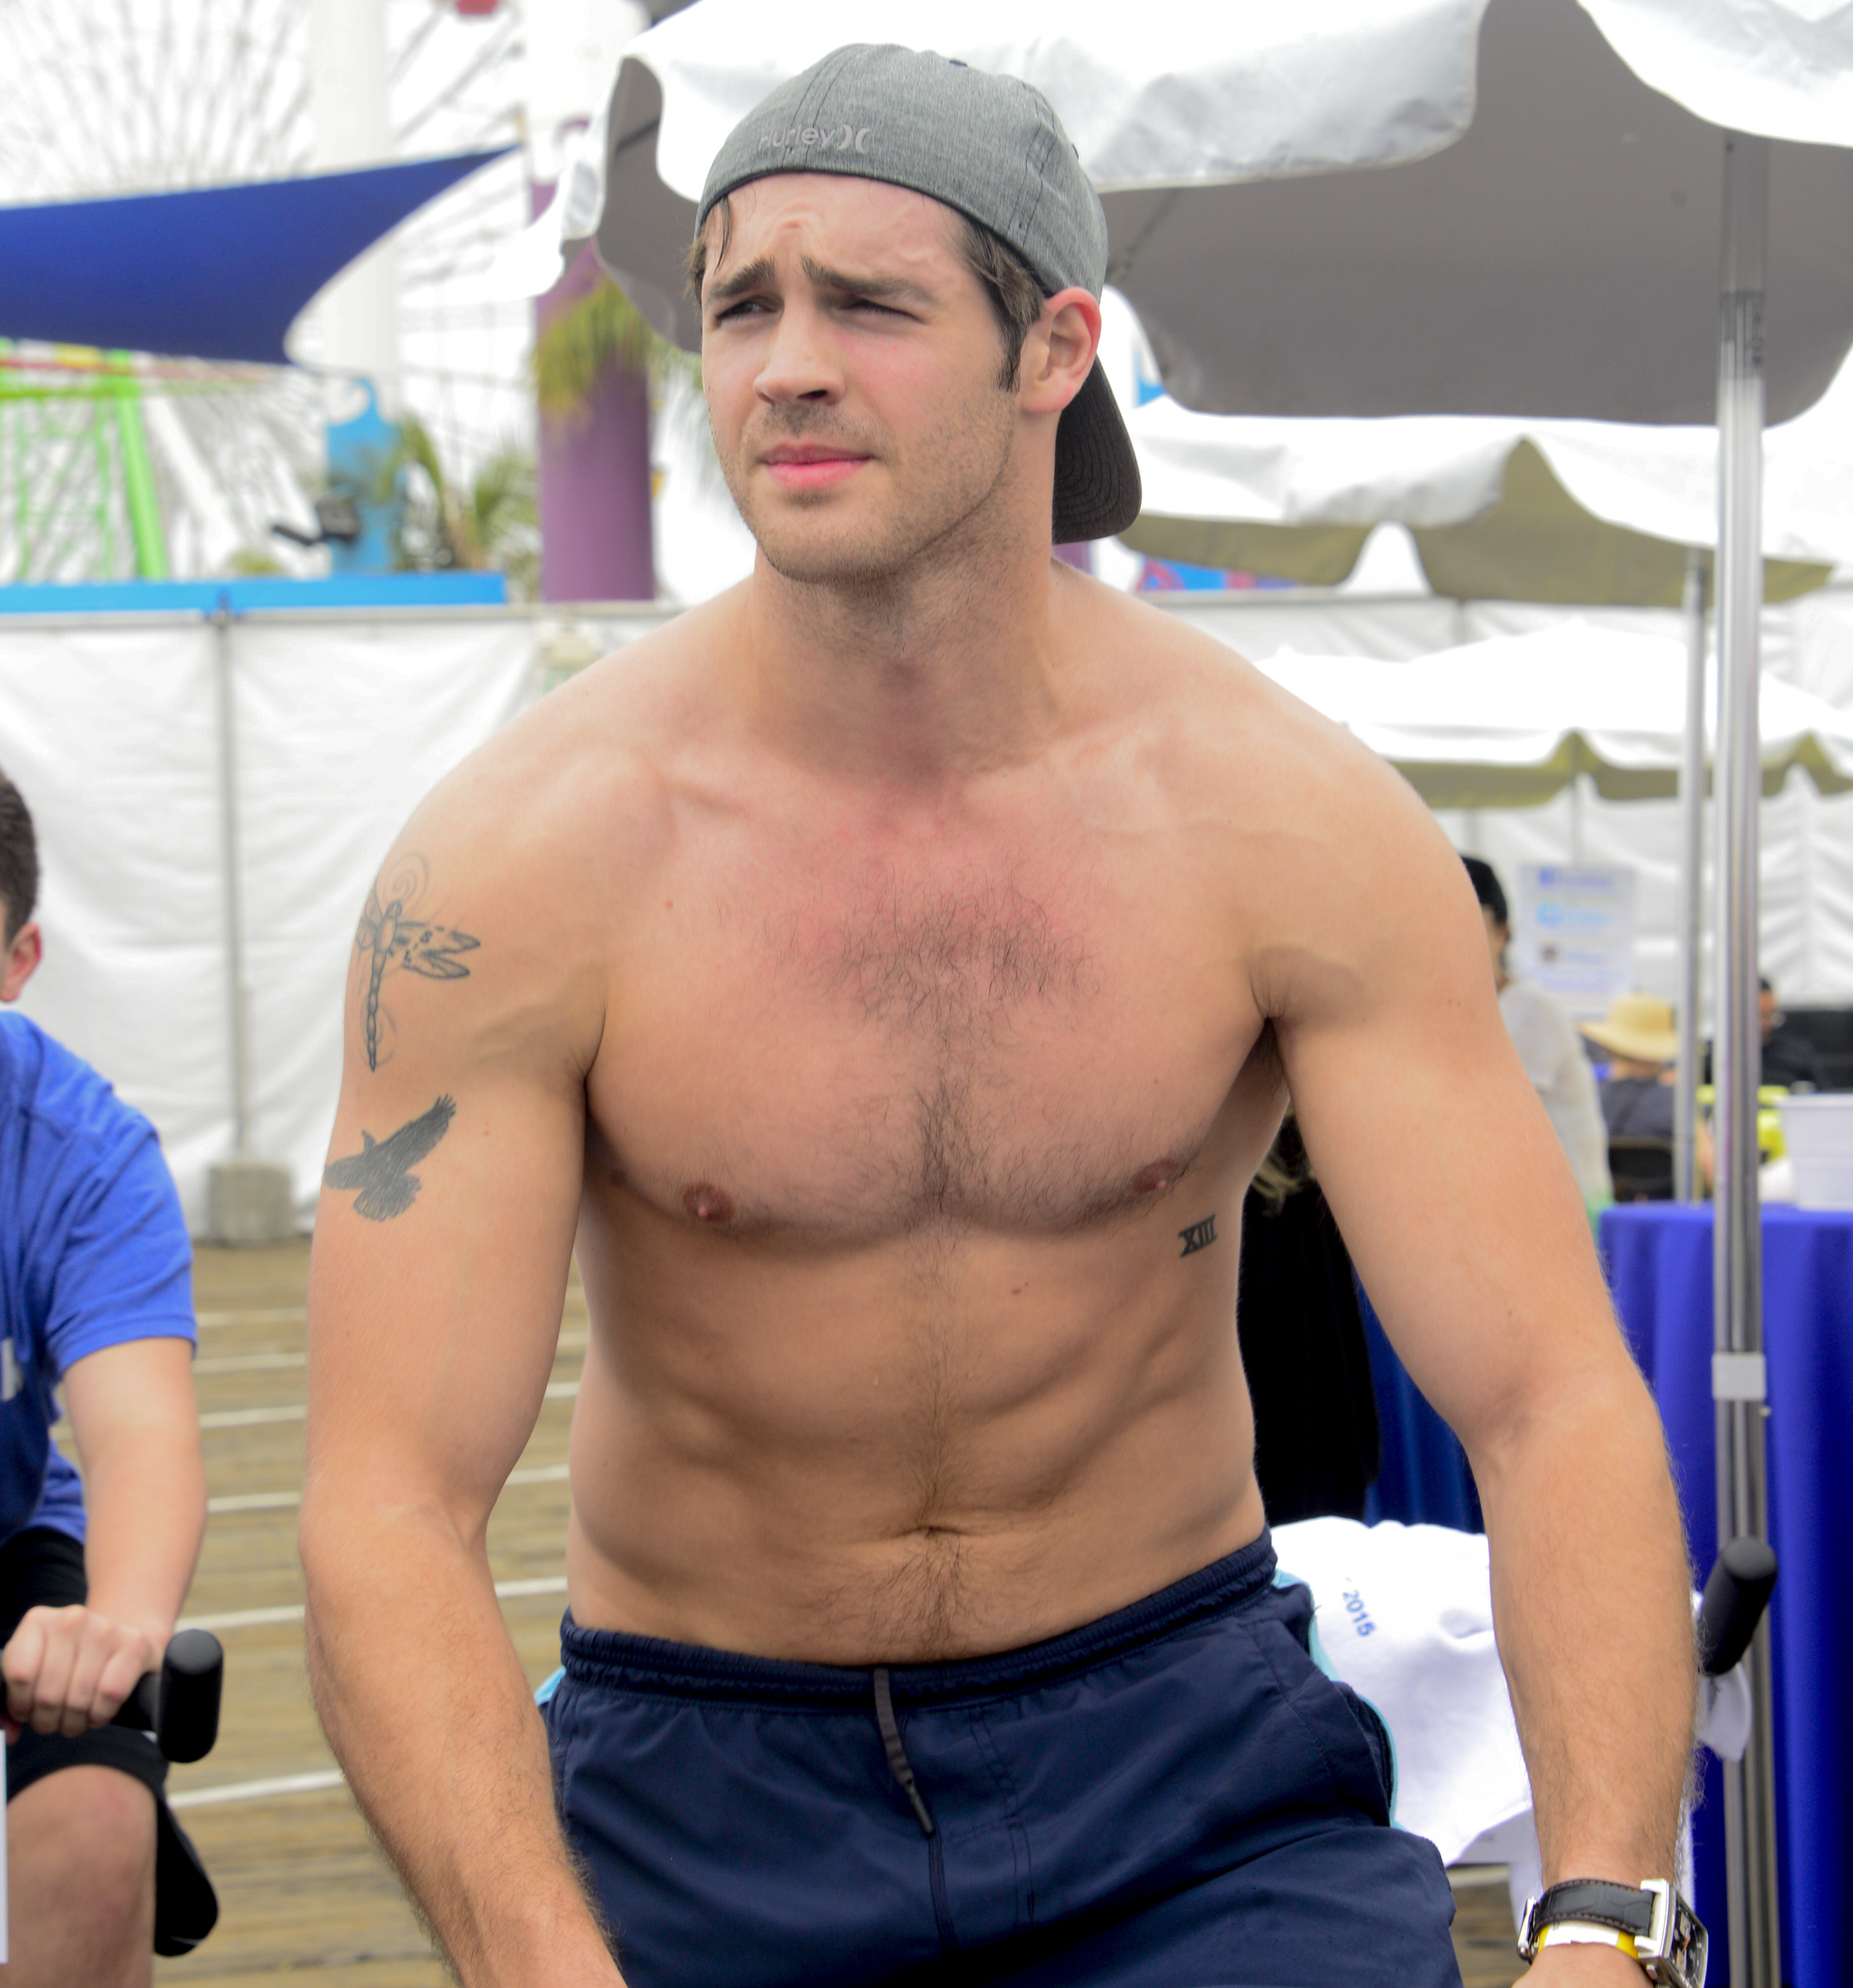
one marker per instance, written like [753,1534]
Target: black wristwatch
[1658,1926]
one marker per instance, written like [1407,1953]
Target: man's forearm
[425,1703]
[1592,1599]
[145,1516]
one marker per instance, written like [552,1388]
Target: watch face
[1686,1946]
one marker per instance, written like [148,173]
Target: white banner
[112,736]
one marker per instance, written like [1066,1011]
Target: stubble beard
[942,510]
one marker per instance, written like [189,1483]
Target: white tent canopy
[1534,141]
[1511,721]
[1570,511]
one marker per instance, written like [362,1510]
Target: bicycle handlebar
[179,1704]
[1736,1593]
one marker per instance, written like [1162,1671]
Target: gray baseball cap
[992,148]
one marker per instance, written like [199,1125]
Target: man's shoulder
[580,782]
[68,1144]
[42,1080]
[1323,861]
[1789,1056]
[1223,730]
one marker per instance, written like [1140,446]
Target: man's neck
[921,681]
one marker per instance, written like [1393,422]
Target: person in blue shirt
[96,1301]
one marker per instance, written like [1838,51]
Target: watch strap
[1651,1922]
[1598,1902]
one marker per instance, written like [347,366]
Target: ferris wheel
[113,466]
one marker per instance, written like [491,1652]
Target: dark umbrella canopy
[1560,260]
[210,272]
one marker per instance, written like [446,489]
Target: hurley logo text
[841,139]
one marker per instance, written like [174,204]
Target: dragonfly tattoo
[390,940]
[380,1175]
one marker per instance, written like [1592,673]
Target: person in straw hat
[1642,1044]
[1638,1033]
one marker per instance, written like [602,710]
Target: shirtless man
[889,976]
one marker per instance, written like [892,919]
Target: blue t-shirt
[93,1252]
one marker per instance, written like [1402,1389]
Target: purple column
[592,470]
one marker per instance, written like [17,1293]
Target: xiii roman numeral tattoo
[1198,1235]
[382,1169]
[389,940]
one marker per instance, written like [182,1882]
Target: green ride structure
[81,500]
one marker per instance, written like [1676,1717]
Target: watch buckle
[1652,1945]
[1527,1939]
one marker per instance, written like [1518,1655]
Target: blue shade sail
[209,272]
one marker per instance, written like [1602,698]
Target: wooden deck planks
[305,1895]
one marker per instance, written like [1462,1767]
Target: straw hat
[1638,1027]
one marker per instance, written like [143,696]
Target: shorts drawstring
[896,1753]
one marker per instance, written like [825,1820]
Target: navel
[1155,1178]
[707,1203]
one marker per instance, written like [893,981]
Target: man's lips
[800,466]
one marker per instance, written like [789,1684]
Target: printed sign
[1573,932]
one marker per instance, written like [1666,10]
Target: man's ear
[1059,351]
[23,953]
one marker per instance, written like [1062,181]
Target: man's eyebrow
[844,284]
[749,276]
[760,275]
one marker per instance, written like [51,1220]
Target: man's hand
[68,1669]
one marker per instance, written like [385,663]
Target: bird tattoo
[381,1170]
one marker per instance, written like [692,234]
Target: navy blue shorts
[1175,1796]
[41,1567]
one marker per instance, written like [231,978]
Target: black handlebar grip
[142,1707]
[192,1681]
[180,1706]
[1736,1593]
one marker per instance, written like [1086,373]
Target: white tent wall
[343,726]
[344,721]
[1817,654]
[111,734]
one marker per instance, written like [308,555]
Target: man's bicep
[1438,1160]
[443,1239]
[450,1197]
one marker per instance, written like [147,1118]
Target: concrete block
[248,1202]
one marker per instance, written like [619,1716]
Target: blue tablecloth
[1659,1260]
[1423,1479]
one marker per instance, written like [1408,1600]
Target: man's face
[851,363]
[1765,1011]
[1498,938]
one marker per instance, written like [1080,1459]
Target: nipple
[1156,1177]
[707,1203]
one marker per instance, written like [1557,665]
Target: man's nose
[801,360]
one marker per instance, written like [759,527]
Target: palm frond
[603,328]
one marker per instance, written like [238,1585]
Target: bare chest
[855,1054]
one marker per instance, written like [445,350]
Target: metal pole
[1692,887]
[1738,1387]
[234,893]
